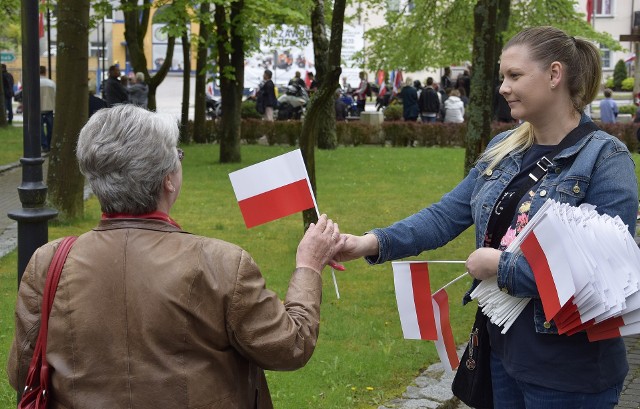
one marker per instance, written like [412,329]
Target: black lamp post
[33,217]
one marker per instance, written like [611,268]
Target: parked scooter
[350,102]
[292,103]
[213,107]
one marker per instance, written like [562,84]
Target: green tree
[619,74]
[136,24]
[320,120]
[65,182]
[442,43]
[199,119]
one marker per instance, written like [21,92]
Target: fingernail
[336,266]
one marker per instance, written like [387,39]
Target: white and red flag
[445,344]
[413,294]
[272,189]
[422,315]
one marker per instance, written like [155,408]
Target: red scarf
[157,215]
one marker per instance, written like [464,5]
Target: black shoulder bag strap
[539,171]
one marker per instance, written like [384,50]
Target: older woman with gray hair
[139,91]
[147,315]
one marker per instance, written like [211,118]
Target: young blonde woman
[549,77]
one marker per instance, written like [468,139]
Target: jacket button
[489,172]
[505,290]
[543,193]
[546,324]
[576,189]
[558,170]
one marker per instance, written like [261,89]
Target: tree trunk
[321,116]
[186,88]
[65,182]
[136,23]
[229,31]
[199,116]
[484,68]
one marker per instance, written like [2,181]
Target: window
[603,7]
[393,5]
[606,57]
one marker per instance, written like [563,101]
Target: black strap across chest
[504,219]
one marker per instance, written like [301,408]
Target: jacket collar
[146,224]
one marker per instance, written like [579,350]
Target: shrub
[619,74]
[609,83]
[628,109]
[248,110]
[627,84]
[393,112]
[625,132]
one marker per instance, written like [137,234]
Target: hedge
[394,133]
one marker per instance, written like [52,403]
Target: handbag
[36,391]
[472,382]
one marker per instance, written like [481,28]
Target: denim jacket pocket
[484,182]
[572,190]
[542,325]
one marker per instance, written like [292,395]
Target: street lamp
[33,217]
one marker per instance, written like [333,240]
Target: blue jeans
[427,119]
[509,393]
[45,136]
[9,107]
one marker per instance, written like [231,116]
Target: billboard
[287,49]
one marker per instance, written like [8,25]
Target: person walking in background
[361,92]
[95,103]
[454,108]
[342,111]
[549,77]
[608,108]
[463,96]
[114,91]
[139,92]
[7,85]
[298,81]
[266,97]
[409,98]
[47,108]
[429,102]
[147,315]
[445,80]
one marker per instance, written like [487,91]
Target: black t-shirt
[566,363]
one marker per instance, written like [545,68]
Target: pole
[49,40]
[33,217]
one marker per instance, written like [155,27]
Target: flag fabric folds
[587,270]
[273,189]
[422,315]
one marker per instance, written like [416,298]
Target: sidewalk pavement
[430,390]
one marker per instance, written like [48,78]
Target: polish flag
[445,345]
[625,324]
[272,189]
[413,294]
[552,272]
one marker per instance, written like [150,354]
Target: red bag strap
[50,287]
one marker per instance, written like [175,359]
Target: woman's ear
[168,184]
[556,73]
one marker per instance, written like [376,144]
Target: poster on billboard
[159,49]
[287,49]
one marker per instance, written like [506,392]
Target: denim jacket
[597,170]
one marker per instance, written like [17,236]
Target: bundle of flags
[396,81]
[587,270]
[424,315]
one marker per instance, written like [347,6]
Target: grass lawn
[11,138]
[361,359]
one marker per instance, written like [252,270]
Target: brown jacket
[148,316]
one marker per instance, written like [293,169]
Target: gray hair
[125,152]
[139,77]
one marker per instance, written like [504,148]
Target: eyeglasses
[180,154]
